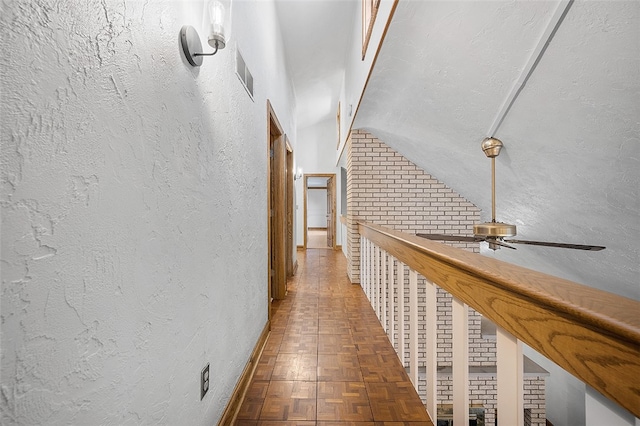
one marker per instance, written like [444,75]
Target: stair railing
[592,334]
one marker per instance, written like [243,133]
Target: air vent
[244,74]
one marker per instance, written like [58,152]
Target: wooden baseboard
[233,406]
[339,248]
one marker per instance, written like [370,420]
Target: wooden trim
[592,334]
[368,21]
[304,211]
[276,208]
[235,402]
[274,123]
[311,228]
[333,189]
[270,119]
[289,208]
[280,218]
[318,187]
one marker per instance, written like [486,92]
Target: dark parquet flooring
[327,361]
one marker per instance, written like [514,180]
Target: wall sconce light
[219,17]
[298,175]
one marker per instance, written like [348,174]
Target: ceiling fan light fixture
[494,229]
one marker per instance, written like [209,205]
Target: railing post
[376,280]
[401,322]
[367,268]
[432,348]
[392,302]
[383,289]
[370,268]
[460,319]
[413,326]
[510,380]
[363,265]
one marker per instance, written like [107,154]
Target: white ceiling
[316,35]
[570,170]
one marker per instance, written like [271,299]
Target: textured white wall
[134,242]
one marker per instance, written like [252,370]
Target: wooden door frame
[276,172]
[290,247]
[333,205]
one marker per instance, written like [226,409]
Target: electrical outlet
[204,381]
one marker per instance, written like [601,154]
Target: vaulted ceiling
[570,170]
[316,36]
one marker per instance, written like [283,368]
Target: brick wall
[483,392]
[535,401]
[385,188]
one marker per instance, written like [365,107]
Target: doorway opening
[320,211]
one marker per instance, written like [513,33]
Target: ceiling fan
[496,233]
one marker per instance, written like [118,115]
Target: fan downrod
[496,233]
[493,230]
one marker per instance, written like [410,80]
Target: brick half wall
[385,188]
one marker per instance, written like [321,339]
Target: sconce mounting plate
[191,44]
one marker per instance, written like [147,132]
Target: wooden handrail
[593,334]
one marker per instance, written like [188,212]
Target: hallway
[328,360]
[317,238]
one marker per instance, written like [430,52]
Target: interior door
[279,219]
[331,212]
[277,211]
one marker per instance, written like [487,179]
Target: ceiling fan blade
[498,242]
[560,245]
[442,237]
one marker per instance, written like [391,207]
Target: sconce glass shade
[219,18]
[217,15]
